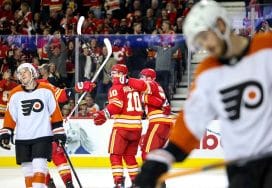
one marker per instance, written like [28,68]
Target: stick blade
[79,24]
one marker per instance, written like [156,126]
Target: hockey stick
[109,50]
[71,165]
[79,28]
[220,164]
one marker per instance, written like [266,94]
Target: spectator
[65,110]
[55,76]
[164,66]
[83,112]
[6,84]
[57,54]
[188,7]
[86,65]
[149,21]
[91,105]
[137,60]
[114,7]
[104,80]
[178,26]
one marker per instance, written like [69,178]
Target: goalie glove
[101,117]
[85,86]
[157,163]
[59,135]
[5,138]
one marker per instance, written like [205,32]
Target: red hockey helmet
[147,72]
[120,68]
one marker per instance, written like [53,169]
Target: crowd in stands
[43,32]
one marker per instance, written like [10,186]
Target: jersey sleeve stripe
[182,136]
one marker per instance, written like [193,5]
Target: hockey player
[232,85]
[58,156]
[34,111]
[157,109]
[126,110]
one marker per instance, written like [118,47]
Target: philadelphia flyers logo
[247,94]
[35,105]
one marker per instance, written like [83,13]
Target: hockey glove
[86,86]
[101,117]
[150,173]
[123,79]
[59,135]
[156,164]
[5,138]
[166,108]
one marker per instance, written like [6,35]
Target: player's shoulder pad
[207,64]
[46,85]
[260,41]
[16,89]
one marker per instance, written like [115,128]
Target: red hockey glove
[86,86]
[166,108]
[100,117]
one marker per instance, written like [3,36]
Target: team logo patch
[35,105]
[248,94]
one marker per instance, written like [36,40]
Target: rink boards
[88,144]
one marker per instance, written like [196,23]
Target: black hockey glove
[59,135]
[150,173]
[5,138]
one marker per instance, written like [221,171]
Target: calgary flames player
[58,156]
[6,84]
[157,109]
[126,110]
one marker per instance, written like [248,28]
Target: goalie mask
[148,74]
[21,71]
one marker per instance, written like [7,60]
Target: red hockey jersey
[125,107]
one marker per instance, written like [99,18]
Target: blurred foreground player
[233,85]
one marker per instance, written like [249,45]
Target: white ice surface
[102,178]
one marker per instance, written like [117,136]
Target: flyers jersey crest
[35,105]
[245,95]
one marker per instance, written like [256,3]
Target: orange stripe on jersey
[181,135]
[260,41]
[112,141]
[28,181]
[205,65]
[128,117]
[8,121]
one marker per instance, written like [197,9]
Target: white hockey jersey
[33,113]
[239,96]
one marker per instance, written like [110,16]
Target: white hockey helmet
[202,17]
[31,69]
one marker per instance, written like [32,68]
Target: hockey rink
[101,178]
